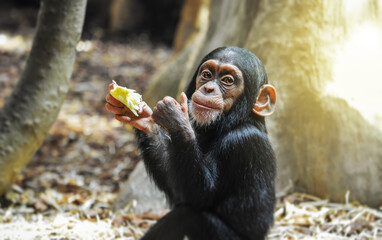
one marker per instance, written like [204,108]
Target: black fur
[220,185]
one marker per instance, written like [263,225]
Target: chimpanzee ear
[266,100]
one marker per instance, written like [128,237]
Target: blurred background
[323,57]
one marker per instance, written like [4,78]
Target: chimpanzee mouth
[201,115]
[203,107]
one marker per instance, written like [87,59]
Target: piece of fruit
[128,97]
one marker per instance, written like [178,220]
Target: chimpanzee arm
[247,181]
[191,174]
[155,156]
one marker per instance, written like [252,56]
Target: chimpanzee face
[230,80]
[218,84]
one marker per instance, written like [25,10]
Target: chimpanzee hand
[173,116]
[143,121]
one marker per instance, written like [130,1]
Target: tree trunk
[323,144]
[36,100]
[189,39]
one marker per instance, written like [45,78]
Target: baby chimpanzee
[210,154]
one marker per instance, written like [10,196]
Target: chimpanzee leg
[184,223]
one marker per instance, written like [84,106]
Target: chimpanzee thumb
[184,103]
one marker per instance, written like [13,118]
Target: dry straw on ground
[298,216]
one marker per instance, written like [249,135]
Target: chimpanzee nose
[209,89]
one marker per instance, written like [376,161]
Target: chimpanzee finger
[159,107]
[122,118]
[111,100]
[184,103]
[168,105]
[113,109]
[156,112]
[145,110]
[158,115]
[143,124]
[164,109]
[170,100]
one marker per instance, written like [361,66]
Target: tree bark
[36,100]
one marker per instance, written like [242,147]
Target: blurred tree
[156,18]
[120,18]
[324,146]
[36,100]
[25,3]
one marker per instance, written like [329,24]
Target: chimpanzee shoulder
[243,135]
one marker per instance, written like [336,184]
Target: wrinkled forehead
[244,60]
[217,63]
[227,56]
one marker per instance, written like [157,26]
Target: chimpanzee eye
[206,74]
[227,80]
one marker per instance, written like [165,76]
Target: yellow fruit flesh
[128,97]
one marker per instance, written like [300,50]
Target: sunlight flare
[357,73]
